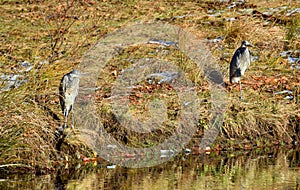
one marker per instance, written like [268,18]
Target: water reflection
[273,169]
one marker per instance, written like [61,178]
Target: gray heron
[68,91]
[239,64]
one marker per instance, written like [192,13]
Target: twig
[11,165]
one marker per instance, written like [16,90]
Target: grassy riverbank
[54,35]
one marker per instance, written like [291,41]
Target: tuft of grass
[54,35]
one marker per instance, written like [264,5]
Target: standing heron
[68,91]
[239,64]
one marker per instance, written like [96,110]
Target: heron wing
[62,91]
[235,63]
[245,60]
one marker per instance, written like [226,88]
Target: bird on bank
[240,62]
[68,91]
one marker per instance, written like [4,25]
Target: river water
[267,169]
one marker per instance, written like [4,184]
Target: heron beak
[83,74]
[80,75]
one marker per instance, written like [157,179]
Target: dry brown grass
[59,35]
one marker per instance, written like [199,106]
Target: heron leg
[62,128]
[66,122]
[73,119]
[66,119]
[241,95]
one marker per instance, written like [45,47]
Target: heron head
[75,73]
[78,74]
[245,43]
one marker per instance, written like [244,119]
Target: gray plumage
[240,62]
[68,91]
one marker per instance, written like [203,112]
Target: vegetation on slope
[54,35]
